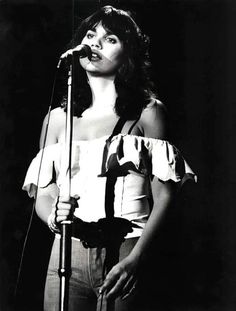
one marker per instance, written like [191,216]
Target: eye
[111,40]
[89,35]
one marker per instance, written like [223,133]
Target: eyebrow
[108,32]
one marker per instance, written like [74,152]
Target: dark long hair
[133,84]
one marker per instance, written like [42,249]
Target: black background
[193,55]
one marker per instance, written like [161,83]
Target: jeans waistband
[105,232]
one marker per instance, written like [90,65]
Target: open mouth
[95,56]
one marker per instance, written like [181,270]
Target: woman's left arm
[163,194]
[121,278]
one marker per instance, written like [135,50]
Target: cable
[36,192]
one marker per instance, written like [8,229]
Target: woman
[124,172]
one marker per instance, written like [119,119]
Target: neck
[103,91]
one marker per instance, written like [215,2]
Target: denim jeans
[87,277]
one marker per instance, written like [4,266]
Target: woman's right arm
[49,135]
[48,198]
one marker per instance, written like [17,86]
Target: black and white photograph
[117,169]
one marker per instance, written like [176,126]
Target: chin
[100,73]
[95,69]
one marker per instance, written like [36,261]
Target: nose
[96,43]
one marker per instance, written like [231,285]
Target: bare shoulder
[51,127]
[153,120]
[58,113]
[155,109]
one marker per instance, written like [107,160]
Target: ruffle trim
[138,155]
[41,170]
[146,156]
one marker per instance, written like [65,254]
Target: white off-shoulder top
[136,159]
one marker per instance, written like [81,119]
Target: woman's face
[107,52]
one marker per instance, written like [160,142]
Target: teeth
[95,55]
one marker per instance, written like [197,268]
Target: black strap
[111,178]
[132,126]
[117,129]
[110,196]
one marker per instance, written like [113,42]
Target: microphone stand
[64,270]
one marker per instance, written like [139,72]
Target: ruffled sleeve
[147,156]
[41,170]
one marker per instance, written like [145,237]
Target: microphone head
[83,50]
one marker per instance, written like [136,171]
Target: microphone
[82,51]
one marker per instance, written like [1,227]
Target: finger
[64,199]
[109,281]
[59,219]
[116,289]
[127,290]
[71,201]
[63,212]
[114,282]
[129,284]
[64,206]
[123,287]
